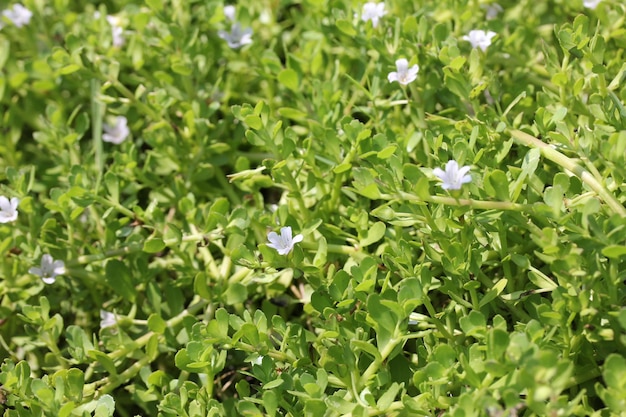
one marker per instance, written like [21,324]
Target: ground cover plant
[313,208]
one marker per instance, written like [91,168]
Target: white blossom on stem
[591,4]
[479,38]
[284,242]
[8,209]
[18,15]
[116,133]
[237,37]
[108,319]
[49,269]
[373,11]
[453,177]
[404,75]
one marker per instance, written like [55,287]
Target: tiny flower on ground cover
[116,29]
[404,75]
[8,209]
[49,269]
[373,11]
[237,37]
[479,38]
[284,242]
[453,177]
[18,15]
[492,10]
[118,132]
[591,4]
[107,319]
[229,12]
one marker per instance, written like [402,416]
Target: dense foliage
[151,147]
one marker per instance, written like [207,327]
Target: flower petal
[48,280]
[285,233]
[402,65]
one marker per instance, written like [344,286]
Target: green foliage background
[504,299]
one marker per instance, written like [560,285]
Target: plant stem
[569,164]
[131,248]
[451,201]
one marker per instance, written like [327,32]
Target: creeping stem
[569,164]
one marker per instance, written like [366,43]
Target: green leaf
[68,69]
[289,78]
[373,235]
[497,185]
[156,323]
[387,152]
[119,278]
[104,360]
[181,68]
[493,292]
[153,245]
[614,251]
[235,293]
[474,324]
[75,381]
[105,406]
[346,27]
[253,121]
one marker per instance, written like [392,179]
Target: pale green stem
[340,249]
[117,206]
[131,248]
[569,164]
[384,354]
[451,201]
[96,129]
[196,305]
[436,321]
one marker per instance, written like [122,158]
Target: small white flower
[479,38]
[284,242]
[229,12]
[8,209]
[404,75]
[117,31]
[19,15]
[118,132]
[591,4]
[49,269]
[108,319]
[237,37]
[492,10]
[453,177]
[373,11]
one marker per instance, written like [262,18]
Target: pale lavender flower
[49,269]
[116,133]
[284,242]
[229,12]
[237,37]
[18,15]
[404,75]
[591,4]
[8,209]
[492,10]
[117,31]
[479,38]
[453,177]
[373,11]
[108,319]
